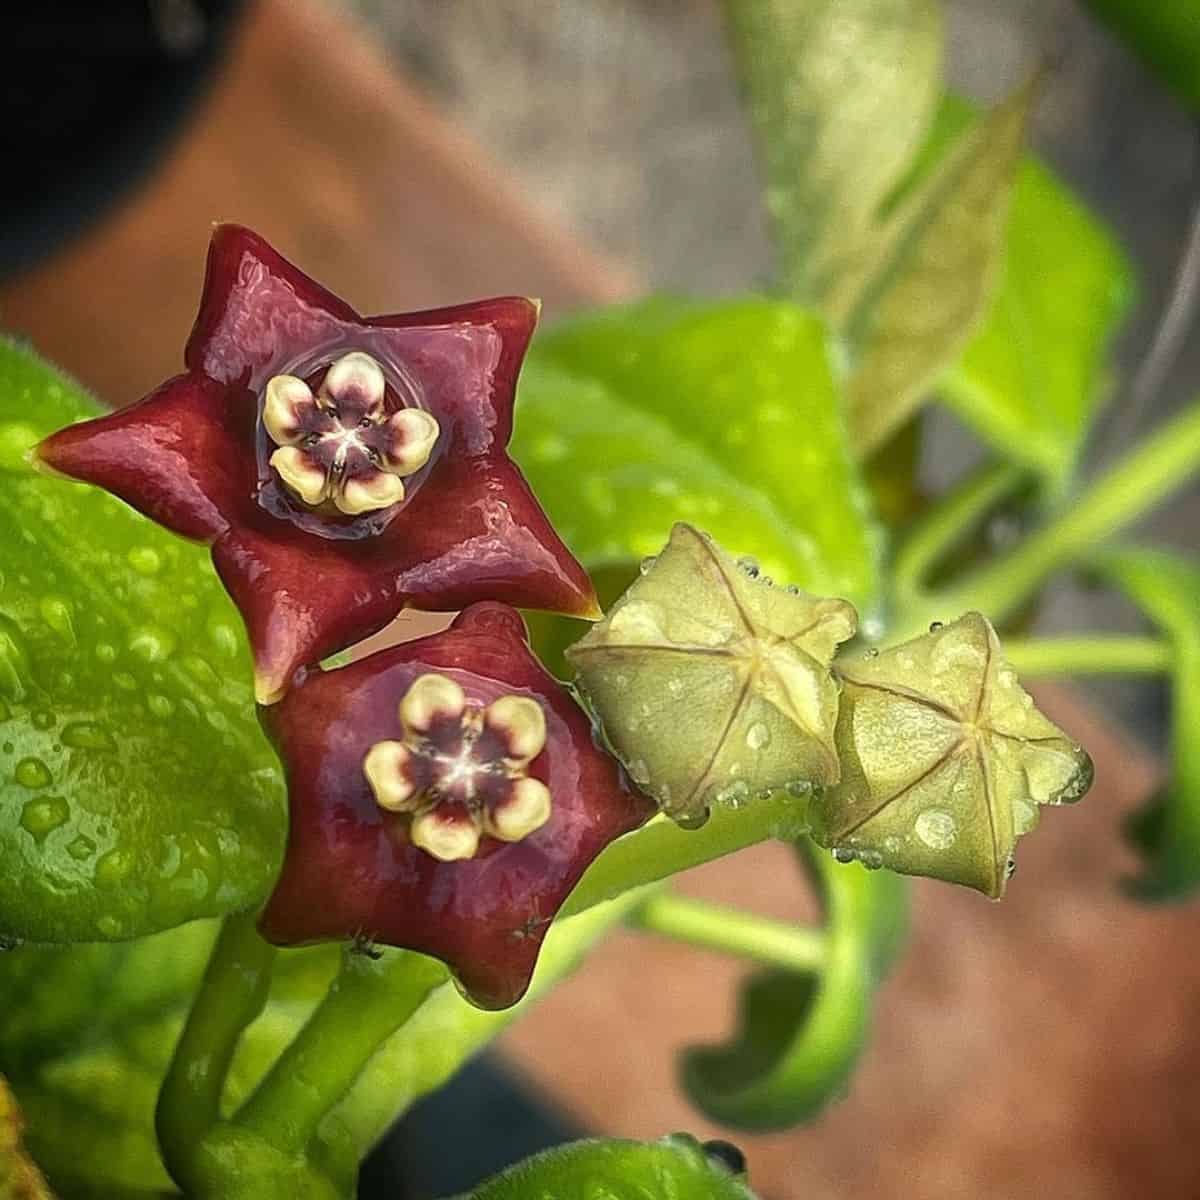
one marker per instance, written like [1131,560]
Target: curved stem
[1164,461]
[231,995]
[661,848]
[1095,654]
[365,1005]
[948,523]
[717,927]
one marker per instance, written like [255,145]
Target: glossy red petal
[174,455]
[350,869]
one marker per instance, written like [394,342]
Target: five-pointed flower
[342,467]
[446,795]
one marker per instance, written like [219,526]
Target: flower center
[342,448]
[461,769]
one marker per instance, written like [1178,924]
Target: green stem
[368,1001]
[948,524]
[1096,654]
[717,927]
[661,849]
[446,1030]
[1163,462]
[231,995]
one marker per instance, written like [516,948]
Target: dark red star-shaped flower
[446,795]
[342,467]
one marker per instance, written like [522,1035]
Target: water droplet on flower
[792,589]
[767,580]
[692,820]
[145,560]
[734,794]
[33,773]
[934,626]
[749,564]
[647,564]
[87,735]
[873,652]
[42,817]
[937,829]
[843,854]
[758,736]
[802,789]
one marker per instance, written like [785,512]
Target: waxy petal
[289,409]
[300,473]
[388,768]
[192,455]
[351,867]
[526,809]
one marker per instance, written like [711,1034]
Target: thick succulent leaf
[800,1036]
[944,760]
[1167,832]
[1035,370]
[86,1033]
[677,1167]
[136,790]
[1166,35]
[725,415]
[711,683]
[931,275]
[839,93]
[19,1177]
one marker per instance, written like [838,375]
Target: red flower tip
[446,795]
[342,467]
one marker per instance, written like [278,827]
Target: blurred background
[417,152]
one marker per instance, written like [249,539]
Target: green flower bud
[713,685]
[944,760]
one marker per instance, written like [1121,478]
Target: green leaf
[1035,371]
[613,1169]
[839,93]
[1167,589]
[931,275]
[1166,34]
[136,789]
[86,1033]
[19,1177]
[800,1037]
[724,415]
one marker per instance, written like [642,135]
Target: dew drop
[792,589]
[734,794]
[81,848]
[800,788]
[749,564]
[873,652]
[33,773]
[692,820]
[934,626]
[758,736]
[843,854]
[647,564]
[87,735]
[42,817]
[145,560]
[57,614]
[767,580]
[937,829]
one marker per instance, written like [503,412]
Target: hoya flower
[446,795]
[945,759]
[712,684]
[342,467]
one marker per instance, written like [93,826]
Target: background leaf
[800,1036]
[1034,372]
[931,275]
[839,93]
[675,1167]
[1167,589]
[86,1033]
[136,789]
[1166,34]
[722,415]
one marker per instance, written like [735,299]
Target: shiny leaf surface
[636,418]
[839,93]
[136,790]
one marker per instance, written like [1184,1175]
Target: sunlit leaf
[839,93]
[712,683]
[944,760]
[19,1177]
[86,1033]
[724,415]
[1035,371]
[674,1168]
[933,274]
[1167,589]
[800,1036]
[1166,34]
[136,789]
